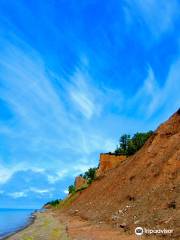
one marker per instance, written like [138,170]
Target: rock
[115,217]
[80,182]
[128,206]
[137,221]
[120,211]
[123,225]
[76,211]
[172,204]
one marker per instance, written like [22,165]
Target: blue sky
[74,76]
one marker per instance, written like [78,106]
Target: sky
[75,76]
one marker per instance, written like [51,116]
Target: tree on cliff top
[128,146]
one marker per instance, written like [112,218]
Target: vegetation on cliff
[71,189]
[89,175]
[130,145]
[53,203]
[127,146]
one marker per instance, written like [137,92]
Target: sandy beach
[52,226]
[45,227]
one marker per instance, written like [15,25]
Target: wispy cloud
[150,98]
[66,191]
[25,193]
[40,191]
[83,94]
[7,172]
[40,118]
[158,16]
[58,175]
[17,194]
[148,92]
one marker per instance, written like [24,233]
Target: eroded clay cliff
[144,190]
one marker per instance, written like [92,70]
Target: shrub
[54,203]
[90,175]
[71,189]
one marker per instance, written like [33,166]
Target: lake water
[13,219]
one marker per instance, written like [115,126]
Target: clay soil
[142,191]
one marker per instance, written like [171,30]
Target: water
[13,219]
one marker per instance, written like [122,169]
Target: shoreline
[52,225]
[31,219]
[45,226]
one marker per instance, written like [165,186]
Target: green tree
[117,151]
[139,139]
[131,149]
[128,146]
[124,142]
[90,175]
[71,189]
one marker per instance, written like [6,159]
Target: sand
[52,225]
[45,227]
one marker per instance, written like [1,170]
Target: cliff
[143,190]
[80,182]
[108,162]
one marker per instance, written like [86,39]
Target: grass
[66,202]
[83,187]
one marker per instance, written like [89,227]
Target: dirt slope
[144,190]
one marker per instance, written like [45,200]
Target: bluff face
[108,162]
[143,190]
[79,182]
